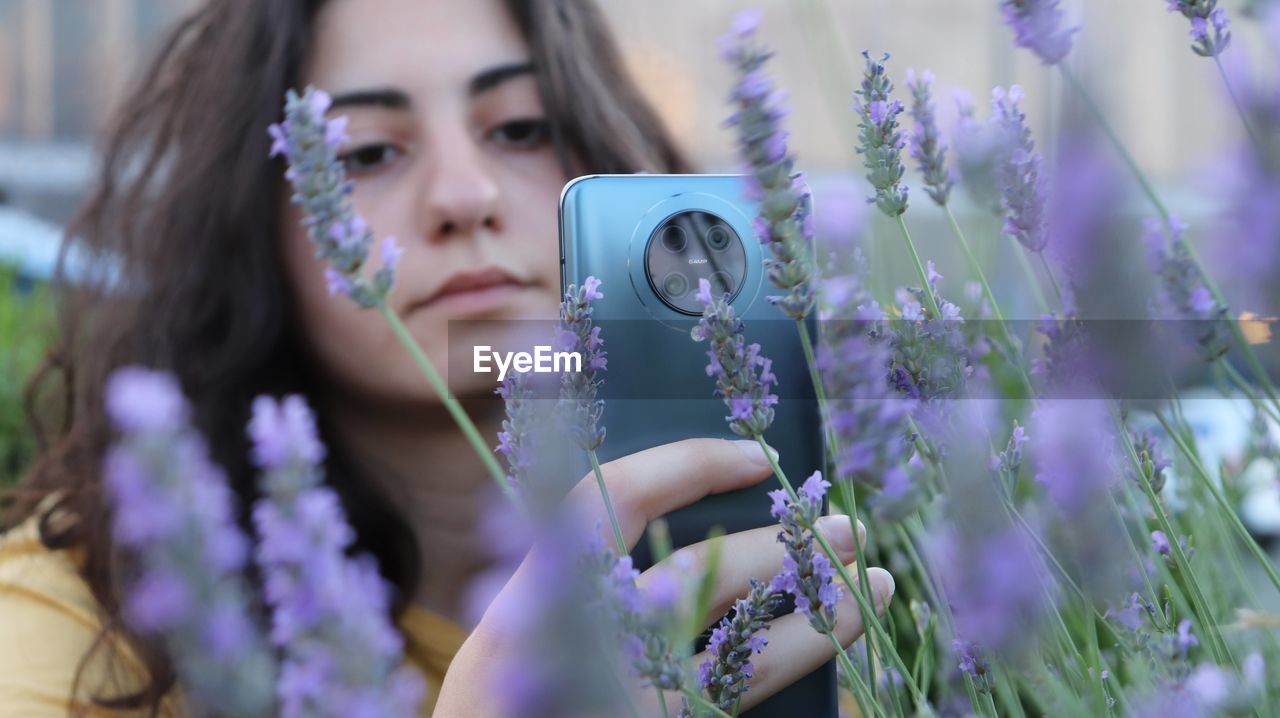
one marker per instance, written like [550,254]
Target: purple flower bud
[1209,25]
[881,142]
[173,509]
[743,376]
[782,223]
[578,404]
[807,574]
[1037,26]
[309,143]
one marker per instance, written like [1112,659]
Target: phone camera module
[687,248]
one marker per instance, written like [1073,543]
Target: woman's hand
[645,486]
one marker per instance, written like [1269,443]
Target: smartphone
[650,238]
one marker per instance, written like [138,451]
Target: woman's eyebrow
[385,97]
[496,75]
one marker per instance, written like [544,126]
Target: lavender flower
[993,584]
[1008,462]
[977,151]
[1037,26]
[514,439]
[784,224]
[174,510]
[868,417]
[926,143]
[930,355]
[310,144]
[971,659]
[881,142]
[1018,174]
[725,674]
[1184,295]
[578,403]
[1209,25]
[744,378]
[806,574]
[1152,459]
[1076,458]
[342,655]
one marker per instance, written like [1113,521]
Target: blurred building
[64,63]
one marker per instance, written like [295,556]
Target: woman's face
[450,153]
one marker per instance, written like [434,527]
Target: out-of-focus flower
[744,377]
[926,142]
[578,333]
[173,509]
[1184,296]
[784,225]
[1209,25]
[977,149]
[310,144]
[1037,26]
[342,655]
[868,417]
[1021,180]
[880,140]
[806,574]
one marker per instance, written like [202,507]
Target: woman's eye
[367,158]
[527,133]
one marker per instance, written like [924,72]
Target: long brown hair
[177,265]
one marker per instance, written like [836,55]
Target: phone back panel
[657,389]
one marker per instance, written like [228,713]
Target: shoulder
[49,623]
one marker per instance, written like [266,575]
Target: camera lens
[673,238]
[676,285]
[720,282]
[718,237]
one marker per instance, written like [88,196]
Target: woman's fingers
[795,649]
[756,553]
[654,482]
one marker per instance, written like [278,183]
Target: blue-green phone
[650,239]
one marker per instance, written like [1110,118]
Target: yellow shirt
[49,621]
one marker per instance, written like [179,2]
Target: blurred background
[64,63]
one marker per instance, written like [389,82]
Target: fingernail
[883,584]
[753,452]
[835,528]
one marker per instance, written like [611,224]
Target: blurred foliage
[26,328]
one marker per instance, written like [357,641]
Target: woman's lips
[473,292]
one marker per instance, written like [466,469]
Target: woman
[466,118]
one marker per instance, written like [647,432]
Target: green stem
[976,268]
[1243,385]
[843,488]
[1048,272]
[924,278]
[922,701]
[451,403]
[608,504]
[1208,623]
[1244,117]
[843,659]
[662,701]
[1021,253]
[1232,518]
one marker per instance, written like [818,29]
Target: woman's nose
[460,195]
